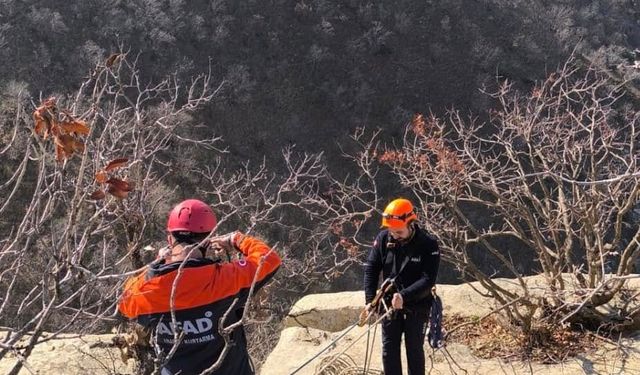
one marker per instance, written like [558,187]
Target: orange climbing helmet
[399,213]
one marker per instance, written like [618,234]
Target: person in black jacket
[407,254]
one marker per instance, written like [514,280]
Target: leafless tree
[63,252]
[88,189]
[554,173]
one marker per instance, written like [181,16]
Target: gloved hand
[366,316]
[226,242]
[368,307]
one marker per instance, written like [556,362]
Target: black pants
[414,325]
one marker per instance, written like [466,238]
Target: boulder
[316,320]
[333,312]
[72,355]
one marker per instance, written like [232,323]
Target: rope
[366,352]
[385,287]
[369,351]
[388,313]
[331,344]
[345,365]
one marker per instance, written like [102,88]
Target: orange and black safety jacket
[204,291]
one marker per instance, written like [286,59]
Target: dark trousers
[414,326]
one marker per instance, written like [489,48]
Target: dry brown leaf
[118,193]
[119,184]
[65,141]
[60,154]
[101,177]
[78,127]
[112,60]
[66,145]
[115,164]
[97,195]
[54,129]
[42,122]
[42,116]
[41,128]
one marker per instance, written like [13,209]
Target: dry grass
[491,338]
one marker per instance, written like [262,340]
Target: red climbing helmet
[192,216]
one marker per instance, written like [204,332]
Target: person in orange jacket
[199,291]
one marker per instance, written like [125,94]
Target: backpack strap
[395,272]
[405,261]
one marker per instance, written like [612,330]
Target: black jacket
[418,276]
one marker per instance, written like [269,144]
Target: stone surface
[73,355]
[334,312]
[299,344]
[316,320]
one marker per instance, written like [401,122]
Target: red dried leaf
[42,123]
[115,164]
[418,124]
[97,195]
[118,193]
[66,145]
[66,142]
[54,129]
[101,177]
[41,128]
[391,156]
[45,122]
[78,127]
[119,184]
[60,154]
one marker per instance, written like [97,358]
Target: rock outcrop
[316,320]
[72,355]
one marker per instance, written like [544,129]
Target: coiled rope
[332,344]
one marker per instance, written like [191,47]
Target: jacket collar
[161,268]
